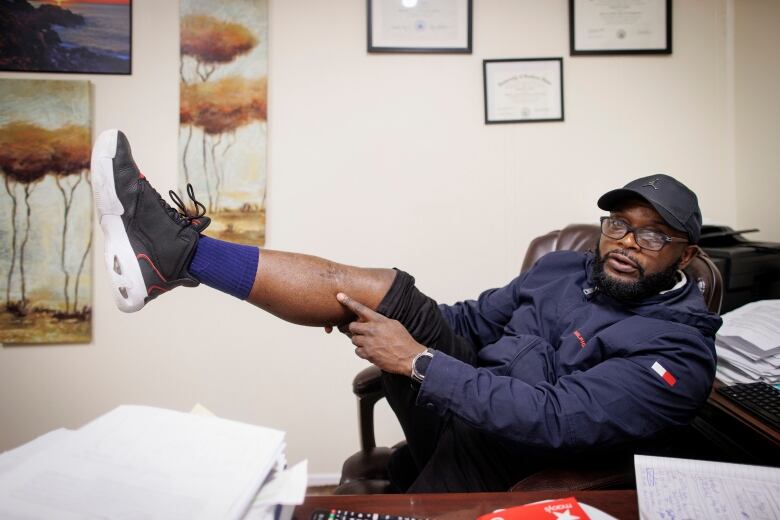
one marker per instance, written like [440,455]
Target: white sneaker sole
[128,285]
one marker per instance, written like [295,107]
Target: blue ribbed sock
[225,266]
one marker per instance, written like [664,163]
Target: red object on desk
[561,509]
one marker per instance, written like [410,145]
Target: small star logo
[566,515]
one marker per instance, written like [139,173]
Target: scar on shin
[334,272]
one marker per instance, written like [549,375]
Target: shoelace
[182,216]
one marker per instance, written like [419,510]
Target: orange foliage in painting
[225,105]
[28,152]
[71,146]
[25,152]
[210,40]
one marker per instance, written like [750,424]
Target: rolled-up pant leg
[449,455]
[424,321]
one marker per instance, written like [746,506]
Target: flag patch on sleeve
[665,374]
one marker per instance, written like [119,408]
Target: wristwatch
[420,364]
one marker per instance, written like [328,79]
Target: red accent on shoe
[140,256]
[161,289]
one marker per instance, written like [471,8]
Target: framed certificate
[620,26]
[419,26]
[523,90]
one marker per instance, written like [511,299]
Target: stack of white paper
[748,344]
[142,462]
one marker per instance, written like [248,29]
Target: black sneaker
[148,244]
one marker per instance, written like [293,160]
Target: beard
[644,286]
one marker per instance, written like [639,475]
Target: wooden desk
[738,435]
[465,506]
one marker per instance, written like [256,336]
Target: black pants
[444,454]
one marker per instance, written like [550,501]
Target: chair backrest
[582,237]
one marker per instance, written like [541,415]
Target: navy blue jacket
[562,366]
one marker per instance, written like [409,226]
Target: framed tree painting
[46,213]
[222,113]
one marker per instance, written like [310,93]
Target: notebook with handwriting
[670,488]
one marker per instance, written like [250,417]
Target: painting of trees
[25,158]
[223,113]
[46,228]
[70,166]
[212,42]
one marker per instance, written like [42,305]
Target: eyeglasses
[645,238]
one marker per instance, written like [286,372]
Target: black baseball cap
[673,200]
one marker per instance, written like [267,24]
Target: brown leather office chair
[365,472]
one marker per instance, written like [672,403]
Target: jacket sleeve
[482,321]
[619,399]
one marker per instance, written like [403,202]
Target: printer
[750,270]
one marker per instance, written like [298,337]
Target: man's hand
[380,340]
[342,328]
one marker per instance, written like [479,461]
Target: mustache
[627,256]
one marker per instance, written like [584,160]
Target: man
[583,352]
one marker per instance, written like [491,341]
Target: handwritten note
[677,489]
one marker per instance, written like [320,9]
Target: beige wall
[757,115]
[378,160]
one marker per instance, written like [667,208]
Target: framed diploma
[523,90]
[620,26]
[419,26]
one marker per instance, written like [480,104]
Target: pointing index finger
[355,306]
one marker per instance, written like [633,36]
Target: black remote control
[338,514]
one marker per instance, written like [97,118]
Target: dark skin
[641,214]
[302,289]
[380,340]
[308,290]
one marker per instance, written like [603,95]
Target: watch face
[421,365]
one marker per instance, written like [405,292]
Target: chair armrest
[370,464]
[367,387]
[367,381]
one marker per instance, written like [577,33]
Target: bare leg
[302,289]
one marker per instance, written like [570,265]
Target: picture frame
[627,27]
[81,37]
[48,277]
[419,26]
[223,117]
[523,90]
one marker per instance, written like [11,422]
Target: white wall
[757,116]
[376,160]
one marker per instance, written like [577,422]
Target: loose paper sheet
[682,488]
[758,323]
[141,462]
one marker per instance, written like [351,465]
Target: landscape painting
[223,126]
[77,36]
[46,212]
